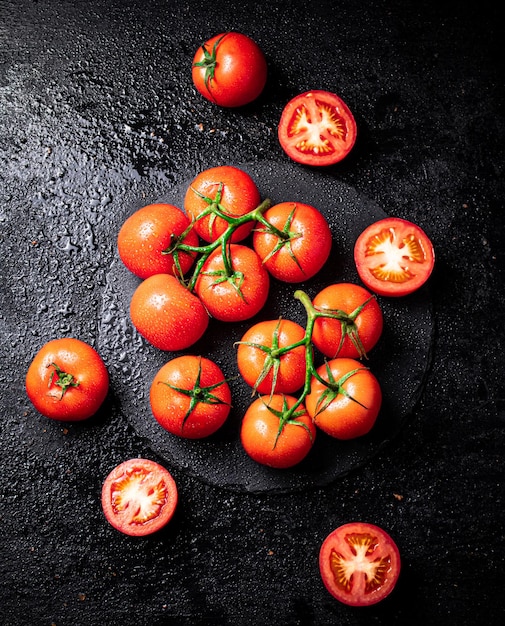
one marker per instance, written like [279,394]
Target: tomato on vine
[190,397]
[276,433]
[219,193]
[148,233]
[263,361]
[67,380]
[355,321]
[230,70]
[344,399]
[294,243]
[167,314]
[233,284]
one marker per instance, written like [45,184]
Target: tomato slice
[359,564]
[317,128]
[139,497]
[394,257]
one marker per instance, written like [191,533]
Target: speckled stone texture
[98,116]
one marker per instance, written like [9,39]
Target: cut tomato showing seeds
[394,257]
[139,497]
[317,128]
[359,564]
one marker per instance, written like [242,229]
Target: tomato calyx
[284,236]
[64,380]
[348,326]
[209,62]
[288,416]
[197,394]
[334,388]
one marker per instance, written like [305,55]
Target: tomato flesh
[394,257]
[139,497]
[359,564]
[317,128]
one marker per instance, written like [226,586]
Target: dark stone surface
[97,115]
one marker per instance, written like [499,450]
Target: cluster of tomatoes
[215,259]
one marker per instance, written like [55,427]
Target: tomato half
[139,497]
[394,257]
[230,70]
[221,190]
[359,564]
[269,440]
[317,128]
[261,360]
[357,323]
[150,231]
[345,399]
[190,397]
[167,314]
[237,292]
[67,380]
[296,245]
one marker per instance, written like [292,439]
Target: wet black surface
[98,116]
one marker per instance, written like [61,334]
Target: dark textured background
[98,113]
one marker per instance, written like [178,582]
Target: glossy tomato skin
[359,564]
[204,405]
[239,74]
[139,497]
[317,128]
[167,314]
[368,323]
[88,382]
[394,257]
[260,429]
[305,248]
[255,350]
[240,298]
[147,233]
[340,416]
[233,189]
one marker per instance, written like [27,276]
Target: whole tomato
[345,399]
[167,314]
[67,380]
[299,243]
[261,360]
[190,397]
[357,326]
[230,70]
[219,190]
[148,233]
[268,438]
[233,286]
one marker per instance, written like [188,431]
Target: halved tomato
[394,257]
[359,564]
[139,497]
[317,128]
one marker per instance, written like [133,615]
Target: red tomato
[347,403]
[236,295]
[260,363]
[317,128]
[139,497]
[224,189]
[167,314]
[67,380]
[300,244]
[190,397]
[394,257]
[230,70]
[147,233]
[359,564]
[359,324]
[269,441]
